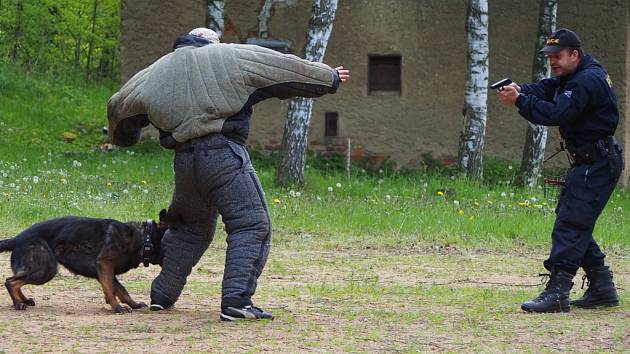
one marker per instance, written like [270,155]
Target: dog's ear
[163,219]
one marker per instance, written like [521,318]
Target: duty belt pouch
[585,154]
[615,161]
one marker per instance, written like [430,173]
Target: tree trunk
[476,96]
[88,65]
[263,19]
[18,30]
[536,136]
[215,16]
[295,137]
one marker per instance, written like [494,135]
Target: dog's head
[156,232]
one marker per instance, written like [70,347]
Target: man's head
[206,33]
[564,50]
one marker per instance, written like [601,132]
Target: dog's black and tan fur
[95,248]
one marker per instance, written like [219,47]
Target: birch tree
[263,19]
[215,16]
[476,96]
[536,136]
[295,137]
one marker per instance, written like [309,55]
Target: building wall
[430,36]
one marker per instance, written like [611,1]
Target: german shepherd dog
[95,248]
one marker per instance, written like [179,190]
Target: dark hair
[579,50]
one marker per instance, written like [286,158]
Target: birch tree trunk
[476,96]
[536,136]
[295,137]
[215,16]
[263,19]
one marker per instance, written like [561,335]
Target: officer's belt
[592,152]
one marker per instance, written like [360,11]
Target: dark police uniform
[584,106]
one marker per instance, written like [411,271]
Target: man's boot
[555,297]
[601,290]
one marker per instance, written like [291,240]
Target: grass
[378,261]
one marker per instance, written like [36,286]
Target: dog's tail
[7,245]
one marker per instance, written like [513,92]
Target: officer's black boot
[601,289]
[555,297]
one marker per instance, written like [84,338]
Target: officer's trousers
[587,190]
[214,176]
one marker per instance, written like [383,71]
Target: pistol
[500,84]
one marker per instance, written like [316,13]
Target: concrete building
[408,60]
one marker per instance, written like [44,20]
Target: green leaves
[56,35]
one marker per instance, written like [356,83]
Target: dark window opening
[384,76]
[332,124]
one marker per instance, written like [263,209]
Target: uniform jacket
[583,104]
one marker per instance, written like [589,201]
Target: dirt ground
[364,301]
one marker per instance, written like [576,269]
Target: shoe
[157,307]
[601,290]
[555,297]
[244,313]
[160,302]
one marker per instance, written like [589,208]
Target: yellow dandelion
[461,212]
[109,184]
[276,201]
[143,182]
[440,194]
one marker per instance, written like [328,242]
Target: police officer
[580,100]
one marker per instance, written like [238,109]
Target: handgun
[500,84]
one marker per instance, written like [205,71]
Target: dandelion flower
[330,189]
[35,179]
[276,201]
[338,185]
[460,212]
[440,193]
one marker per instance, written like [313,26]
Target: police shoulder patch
[609,81]
[568,93]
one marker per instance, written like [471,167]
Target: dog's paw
[122,309]
[29,302]
[20,306]
[139,305]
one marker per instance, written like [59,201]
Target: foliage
[61,35]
